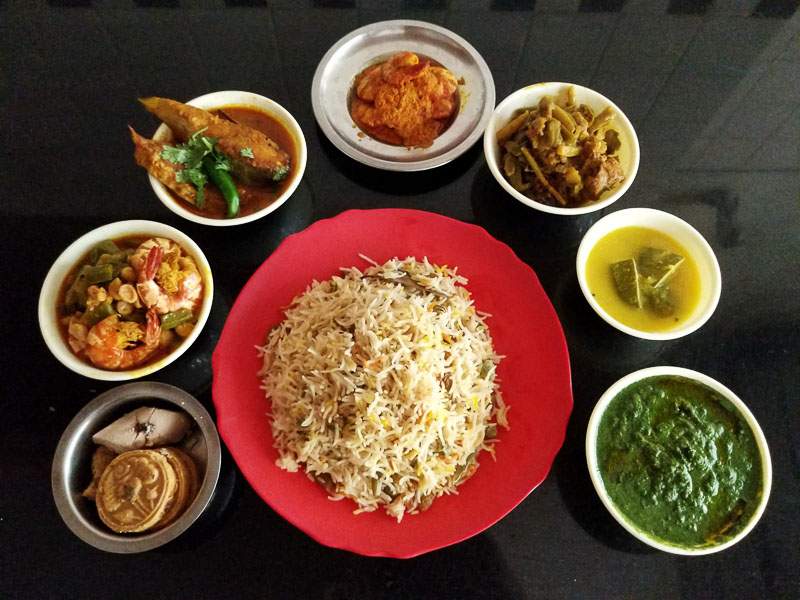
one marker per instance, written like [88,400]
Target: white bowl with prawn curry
[561,148]
[253,145]
[125,300]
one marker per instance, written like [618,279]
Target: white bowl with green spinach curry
[678,460]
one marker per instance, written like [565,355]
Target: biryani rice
[383,386]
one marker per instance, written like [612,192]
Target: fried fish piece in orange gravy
[404,101]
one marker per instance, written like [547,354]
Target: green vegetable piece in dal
[658,265]
[626,278]
[679,462]
[641,281]
[660,300]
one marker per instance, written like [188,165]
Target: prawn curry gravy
[129,302]
[231,161]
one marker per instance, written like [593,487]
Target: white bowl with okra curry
[561,148]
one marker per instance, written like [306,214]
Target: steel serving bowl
[71,472]
[372,43]
[48,297]
[529,96]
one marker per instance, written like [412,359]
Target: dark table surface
[713,90]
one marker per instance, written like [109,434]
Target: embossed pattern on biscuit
[186,489]
[135,491]
[194,475]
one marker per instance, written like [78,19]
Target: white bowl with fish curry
[225,158]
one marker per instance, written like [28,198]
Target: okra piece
[76,294]
[97,314]
[104,247]
[173,319]
[98,273]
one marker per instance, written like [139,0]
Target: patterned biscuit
[188,461]
[187,484]
[135,491]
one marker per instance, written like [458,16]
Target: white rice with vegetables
[383,385]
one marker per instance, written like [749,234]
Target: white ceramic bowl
[678,229]
[224,98]
[71,472]
[530,96]
[69,258]
[597,480]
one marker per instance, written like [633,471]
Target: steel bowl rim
[387,164]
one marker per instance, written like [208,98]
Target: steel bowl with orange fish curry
[404,101]
[231,161]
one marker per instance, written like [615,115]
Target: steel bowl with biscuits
[136,467]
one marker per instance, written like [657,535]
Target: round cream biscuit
[135,491]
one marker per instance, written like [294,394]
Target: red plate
[534,377]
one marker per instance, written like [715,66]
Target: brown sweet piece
[187,484]
[135,491]
[101,458]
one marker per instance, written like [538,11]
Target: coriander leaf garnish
[221,163]
[179,156]
[247,152]
[190,154]
[195,177]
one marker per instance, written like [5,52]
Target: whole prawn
[115,344]
[166,280]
